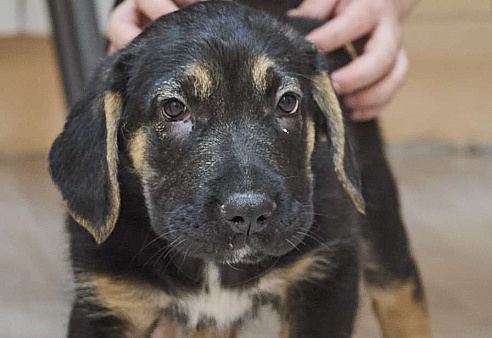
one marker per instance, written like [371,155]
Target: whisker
[186,253]
[150,243]
[300,240]
[162,251]
[175,248]
[171,249]
[177,252]
[316,239]
[295,247]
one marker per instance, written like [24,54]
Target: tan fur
[259,72]
[323,138]
[82,221]
[310,139]
[312,267]
[328,102]
[350,49]
[213,334]
[400,314]
[112,111]
[138,149]
[137,304]
[202,77]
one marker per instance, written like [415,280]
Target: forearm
[405,7]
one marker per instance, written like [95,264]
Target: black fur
[170,223]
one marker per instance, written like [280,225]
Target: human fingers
[154,9]
[123,25]
[315,9]
[354,21]
[184,3]
[377,60]
[368,114]
[381,93]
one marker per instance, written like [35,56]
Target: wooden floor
[447,205]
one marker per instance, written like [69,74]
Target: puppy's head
[215,106]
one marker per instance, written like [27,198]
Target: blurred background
[439,131]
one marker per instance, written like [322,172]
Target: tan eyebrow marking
[259,72]
[201,74]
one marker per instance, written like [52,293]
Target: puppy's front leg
[325,308]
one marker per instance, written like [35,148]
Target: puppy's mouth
[242,255]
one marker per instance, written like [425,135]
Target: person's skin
[368,83]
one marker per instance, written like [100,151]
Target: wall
[448,95]
[31,16]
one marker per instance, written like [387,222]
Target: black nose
[247,213]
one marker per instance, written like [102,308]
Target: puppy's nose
[247,213]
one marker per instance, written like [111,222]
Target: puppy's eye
[174,110]
[288,103]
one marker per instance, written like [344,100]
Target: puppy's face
[215,106]
[224,149]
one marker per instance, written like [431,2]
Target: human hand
[371,80]
[130,17]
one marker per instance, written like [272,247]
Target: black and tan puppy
[209,172]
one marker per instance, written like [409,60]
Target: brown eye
[288,103]
[174,110]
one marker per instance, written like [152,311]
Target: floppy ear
[343,155]
[83,160]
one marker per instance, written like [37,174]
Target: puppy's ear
[344,158]
[83,160]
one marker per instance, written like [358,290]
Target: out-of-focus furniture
[78,41]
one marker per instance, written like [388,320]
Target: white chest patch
[222,305]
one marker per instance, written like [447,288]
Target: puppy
[209,172]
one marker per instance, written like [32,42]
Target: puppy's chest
[217,306]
